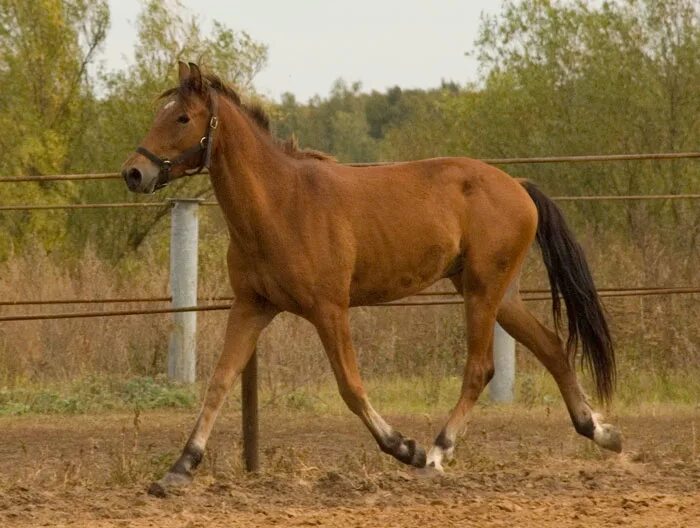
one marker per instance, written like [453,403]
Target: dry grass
[658,339]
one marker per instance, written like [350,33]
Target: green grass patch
[96,394]
[533,388]
[395,395]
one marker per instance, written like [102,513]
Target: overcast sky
[311,43]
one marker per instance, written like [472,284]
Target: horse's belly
[388,279]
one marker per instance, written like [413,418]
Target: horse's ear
[183,71]
[196,77]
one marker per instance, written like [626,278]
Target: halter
[166,165]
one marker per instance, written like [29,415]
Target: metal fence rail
[529,295]
[142,205]
[603,292]
[568,159]
[494,161]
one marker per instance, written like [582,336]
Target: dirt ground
[515,467]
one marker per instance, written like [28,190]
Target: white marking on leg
[202,428]
[385,431]
[435,457]
[378,422]
[199,442]
[599,435]
[438,453]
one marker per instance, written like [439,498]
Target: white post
[501,386]
[184,233]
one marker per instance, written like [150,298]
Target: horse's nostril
[132,177]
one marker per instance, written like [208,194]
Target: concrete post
[184,233]
[503,382]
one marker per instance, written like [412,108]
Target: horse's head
[180,140]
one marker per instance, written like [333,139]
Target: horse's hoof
[156,489]
[608,437]
[171,482]
[404,450]
[418,457]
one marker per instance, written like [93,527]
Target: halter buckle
[213,122]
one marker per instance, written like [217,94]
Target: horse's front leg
[245,322]
[333,327]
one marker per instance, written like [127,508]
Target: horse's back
[411,224]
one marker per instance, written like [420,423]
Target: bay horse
[315,237]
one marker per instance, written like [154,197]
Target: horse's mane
[255,112]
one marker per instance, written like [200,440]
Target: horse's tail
[570,276]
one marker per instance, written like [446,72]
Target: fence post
[501,386]
[184,233]
[249,415]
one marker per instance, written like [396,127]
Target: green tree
[46,47]
[166,34]
[570,78]
[565,77]
[337,124]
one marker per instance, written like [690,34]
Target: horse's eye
[184,118]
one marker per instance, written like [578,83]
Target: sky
[311,43]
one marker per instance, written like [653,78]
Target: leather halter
[205,145]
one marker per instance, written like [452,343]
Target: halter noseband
[166,165]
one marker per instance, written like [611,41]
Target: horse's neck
[248,174]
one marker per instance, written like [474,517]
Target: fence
[183,285]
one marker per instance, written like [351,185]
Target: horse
[314,237]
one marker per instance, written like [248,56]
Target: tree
[46,47]
[166,34]
[564,77]
[337,124]
[570,78]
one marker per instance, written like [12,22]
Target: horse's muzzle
[133,178]
[145,180]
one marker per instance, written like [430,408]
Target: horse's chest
[286,287]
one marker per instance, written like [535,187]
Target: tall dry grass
[656,336]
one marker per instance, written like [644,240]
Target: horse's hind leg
[333,327]
[481,301]
[519,322]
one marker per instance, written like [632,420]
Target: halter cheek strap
[205,147]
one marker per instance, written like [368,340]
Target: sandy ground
[515,467]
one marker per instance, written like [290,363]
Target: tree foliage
[557,77]
[46,47]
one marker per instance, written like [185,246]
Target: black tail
[569,276]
